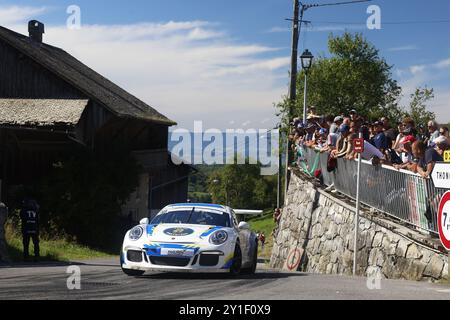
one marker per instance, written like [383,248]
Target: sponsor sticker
[177,252]
[447,156]
[178,232]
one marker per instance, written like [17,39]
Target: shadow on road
[46,264]
[220,276]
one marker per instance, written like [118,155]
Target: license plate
[177,252]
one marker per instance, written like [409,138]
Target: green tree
[83,195]
[353,77]
[418,106]
[243,187]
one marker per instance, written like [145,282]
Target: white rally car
[190,237]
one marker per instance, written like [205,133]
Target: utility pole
[280,168]
[296,25]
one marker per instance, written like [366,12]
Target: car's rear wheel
[237,261]
[133,273]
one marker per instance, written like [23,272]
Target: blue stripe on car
[208,232]
[150,229]
[155,250]
[228,264]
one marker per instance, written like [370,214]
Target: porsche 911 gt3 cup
[190,237]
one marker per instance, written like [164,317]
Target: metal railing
[398,193]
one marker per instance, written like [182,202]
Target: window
[194,216]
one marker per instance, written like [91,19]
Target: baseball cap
[339,118]
[353,111]
[323,131]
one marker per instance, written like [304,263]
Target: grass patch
[266,225]
[51,249]
[444,281]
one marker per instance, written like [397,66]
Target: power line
[305,7]
[334,3]
[388,23]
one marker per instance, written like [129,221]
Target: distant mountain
[242,146]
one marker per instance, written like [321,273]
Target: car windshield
[194,216]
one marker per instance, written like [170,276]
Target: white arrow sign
[441,175]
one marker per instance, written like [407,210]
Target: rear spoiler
[249,212]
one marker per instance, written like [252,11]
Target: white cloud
[433,76]
[442,64]
[15,14]
[403,48]
[441,104]
[268,65]
[279,29]
[191,70]
[416,69]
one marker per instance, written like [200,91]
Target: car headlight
[136,233]
[218,237]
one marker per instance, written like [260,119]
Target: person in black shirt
[390,132]
[426,158]
[29,215]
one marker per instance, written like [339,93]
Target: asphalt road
[103,279]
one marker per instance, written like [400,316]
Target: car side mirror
[244,226]
[144,221]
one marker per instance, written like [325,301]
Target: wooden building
[51,102]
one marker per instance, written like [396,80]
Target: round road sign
[294,259]
[444,220]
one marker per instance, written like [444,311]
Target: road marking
[444,291]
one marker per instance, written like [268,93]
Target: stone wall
[320,227]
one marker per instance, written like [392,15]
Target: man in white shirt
[433,128]
[371,151]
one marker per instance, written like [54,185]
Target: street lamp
[307,60]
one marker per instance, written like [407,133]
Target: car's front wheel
[252,269]
[133,273]
[237,261]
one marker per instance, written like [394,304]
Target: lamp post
[307,60]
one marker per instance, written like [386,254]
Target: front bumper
[155,257]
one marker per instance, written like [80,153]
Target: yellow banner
[447,156]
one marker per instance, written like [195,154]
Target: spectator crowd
[402,145]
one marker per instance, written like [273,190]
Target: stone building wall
[320,228]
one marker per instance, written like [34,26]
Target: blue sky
[227,62]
